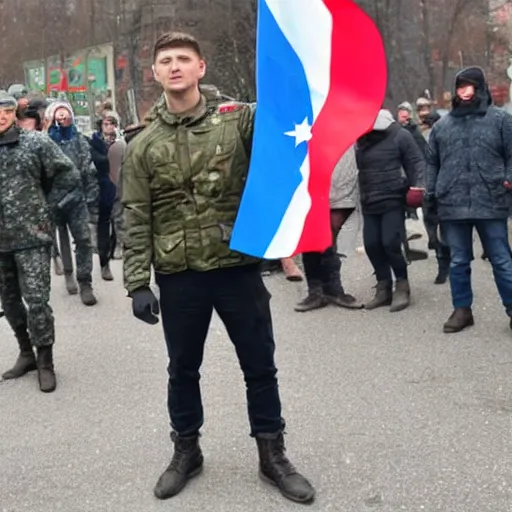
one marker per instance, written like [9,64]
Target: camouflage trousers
[25,279]
[76,218]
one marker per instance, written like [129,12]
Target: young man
[34,174]
[183,179]
[469,177]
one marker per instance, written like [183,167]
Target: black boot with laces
[276,469]
[186,463]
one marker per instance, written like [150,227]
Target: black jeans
[238,295]
[106,234]
[322,269]
[383,237]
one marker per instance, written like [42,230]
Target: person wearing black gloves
[182,182]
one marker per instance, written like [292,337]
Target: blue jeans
[494,237]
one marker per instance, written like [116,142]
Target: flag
[320,81]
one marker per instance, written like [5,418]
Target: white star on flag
[302,132]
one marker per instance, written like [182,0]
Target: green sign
[35,75]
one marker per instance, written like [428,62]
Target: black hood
[474,76]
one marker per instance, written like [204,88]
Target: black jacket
[99,156]
[415,131]
[389,162]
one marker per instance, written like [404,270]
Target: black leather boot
[26,361]
[459,320]
[45,371]
[276,469]
[186,463]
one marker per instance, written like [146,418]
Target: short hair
[176,40]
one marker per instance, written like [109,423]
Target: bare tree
[422,39]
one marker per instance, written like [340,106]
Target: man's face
[466,92]
[404,116]
[27,123]
[178,70]
[7,118]
[63,116]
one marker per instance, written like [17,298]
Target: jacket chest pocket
[166,167]
[213,150]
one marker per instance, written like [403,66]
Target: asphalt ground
[384,412]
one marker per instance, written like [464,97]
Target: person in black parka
[469,182]
[389,163]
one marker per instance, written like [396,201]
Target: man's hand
[145,305]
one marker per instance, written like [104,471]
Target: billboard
[86,78]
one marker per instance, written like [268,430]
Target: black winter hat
[471,76]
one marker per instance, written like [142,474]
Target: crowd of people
[156,189]
[57,182]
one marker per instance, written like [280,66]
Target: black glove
[145,305]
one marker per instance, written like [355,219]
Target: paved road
[384,412]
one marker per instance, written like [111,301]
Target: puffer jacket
[469,158]
[389,163]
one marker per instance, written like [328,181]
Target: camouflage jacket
[182,182]
[34,174]
[78,151]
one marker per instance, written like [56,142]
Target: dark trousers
[443,255]
[76,218]
[106,234]
[66,251]
[383,237]
[322,269]
[238,295]
[494,237]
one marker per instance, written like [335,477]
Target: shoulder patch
[226,108]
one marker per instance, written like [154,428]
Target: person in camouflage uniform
[35,177]
[183,179]
[83,206]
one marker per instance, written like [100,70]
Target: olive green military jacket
[182,183]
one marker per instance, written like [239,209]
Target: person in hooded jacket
[389,163]
[469,182]
[75,215]
[100,143]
